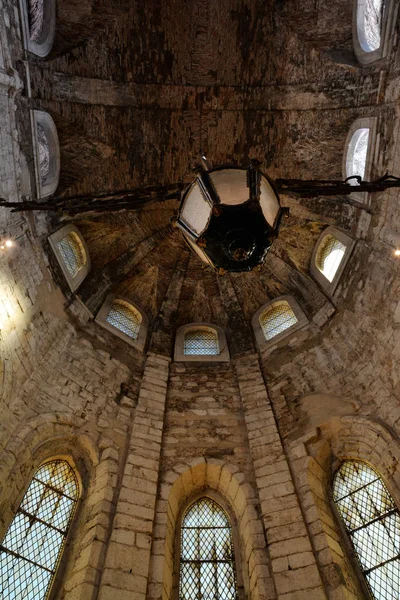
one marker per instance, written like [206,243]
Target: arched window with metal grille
[31,549]
[201,341]
[72,252]
[329,256]
[207,561]
[124,317]
[276,318]
[372,521]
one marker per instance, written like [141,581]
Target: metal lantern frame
[236,235]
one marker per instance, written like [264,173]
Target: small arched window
[31,549]
[38,24]
[373,25]
[201,342]
[372,521]
[356,158]
[207,562]
[124,320]
[330,256]
[72,254]
[369,24]
[47,153]
[124,317]
[276,319]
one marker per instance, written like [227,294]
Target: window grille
[32,546]
[329,256]
[371,23]
[201,342]
[35,19]
[357,154]
[277,318]
[44,153]
[124,317]
[72,252]
[207,566]
[372,521]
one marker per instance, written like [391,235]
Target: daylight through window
[207,566]
[124,317]
[370,24]
[35,19]
[329,256]
[372,521]
[276,319]
[72,252]
[356,159]
[31,549]
[44,153]
[201,342]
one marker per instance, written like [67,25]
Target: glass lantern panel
[269,202]
[196,211]
[231,186]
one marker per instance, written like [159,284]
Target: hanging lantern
[230,217]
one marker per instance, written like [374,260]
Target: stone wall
[263,434]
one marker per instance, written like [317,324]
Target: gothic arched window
[276,319]
[207,562]
[124,317]
[72,254]
[32,546]
[372,521]
[201,342]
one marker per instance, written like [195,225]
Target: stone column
[127,561]
[295,571]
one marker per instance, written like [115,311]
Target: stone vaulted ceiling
[137,89]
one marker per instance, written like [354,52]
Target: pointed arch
[224,483]
[34,541]
[322,451]
[207,553]
[372,522]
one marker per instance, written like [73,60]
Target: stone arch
[60,435]
[229,483]
[314,457]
